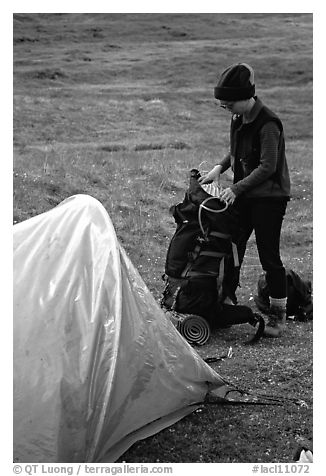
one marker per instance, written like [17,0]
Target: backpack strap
[234,246]
[235,255]
[193,255]
[220,279]
[212,254]
[220,235]
[171,291]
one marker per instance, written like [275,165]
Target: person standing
[261,183]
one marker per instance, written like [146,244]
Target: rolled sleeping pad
[195,329]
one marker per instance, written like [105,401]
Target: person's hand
[214,174]
[228,196]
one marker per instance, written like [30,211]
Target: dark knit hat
[236,83]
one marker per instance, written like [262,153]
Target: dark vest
[245,144]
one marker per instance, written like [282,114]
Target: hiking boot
[261,304]
[275,324]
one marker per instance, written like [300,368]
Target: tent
[97,364]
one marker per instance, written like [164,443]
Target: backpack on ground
[200,256]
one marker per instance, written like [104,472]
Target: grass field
[121,107]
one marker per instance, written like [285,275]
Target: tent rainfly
[97,364]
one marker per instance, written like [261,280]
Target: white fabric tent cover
[97,364]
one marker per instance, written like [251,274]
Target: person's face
[235,107]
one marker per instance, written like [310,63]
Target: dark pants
[265,217]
